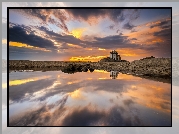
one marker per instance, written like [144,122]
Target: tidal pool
[99,98]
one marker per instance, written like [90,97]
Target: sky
[88,34]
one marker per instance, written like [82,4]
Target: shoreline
[156,68]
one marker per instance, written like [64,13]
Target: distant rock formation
[151,57]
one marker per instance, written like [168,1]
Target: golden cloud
[101,49]
[74,46]
[87,58]
[78,32]
[17,44]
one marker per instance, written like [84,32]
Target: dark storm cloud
[162,48]
[163,24]
[108,42]
[19,34]
[86,13]
[116,15]
[128,26]
[44,15]
[60,17]
[113,41]
[61,38]
[24,50]
[164,34]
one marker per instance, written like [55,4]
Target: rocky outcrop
[149,67]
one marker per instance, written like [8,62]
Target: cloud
[61,38]
[115,41]
[164,24]
[107,42]
[164,34]
[128,102]
[118,31]
[133,30]
[116,15]
[20,34]
[133,39]
[45,16]
[51,40]
[112,27]
[128,26]
[85,14]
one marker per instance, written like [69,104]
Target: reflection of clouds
[71,95]
[128,102]
[156,95]
[110,85]
[24,81]
[44,115]
[76,95]
[16,93]
[81,116]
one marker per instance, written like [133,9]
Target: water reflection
[89,99]
[114,74]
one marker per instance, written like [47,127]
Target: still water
[99,98]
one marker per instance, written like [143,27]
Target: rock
[91,69]
[85,69]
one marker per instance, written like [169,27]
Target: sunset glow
[89,34]
[88,58]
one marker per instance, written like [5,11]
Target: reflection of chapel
[114,55]
[114,74]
